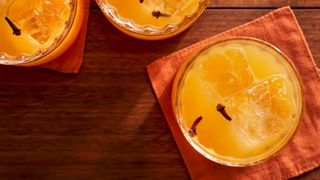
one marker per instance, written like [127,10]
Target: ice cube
[261,111]
[41,20]
[228,71]
[240,66]
[171,7]
[2,2]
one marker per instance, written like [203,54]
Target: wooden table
[105,123]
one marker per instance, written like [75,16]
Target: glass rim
[27,59]
[178,83]
[147,30]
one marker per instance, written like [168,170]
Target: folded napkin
[302,154]
[71,60]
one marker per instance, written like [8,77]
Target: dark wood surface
[105,123]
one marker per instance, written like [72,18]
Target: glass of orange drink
[238,101]
[36,31]
[152,19]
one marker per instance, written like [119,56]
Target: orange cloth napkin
[302,154]
[71,60]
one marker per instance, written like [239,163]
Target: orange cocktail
[152,19]
[238,101]
[36,31]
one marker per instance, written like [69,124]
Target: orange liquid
[41,23]
[14,45]
[141,13]
[259,91]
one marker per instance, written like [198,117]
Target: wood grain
[104,123]
[255,3]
